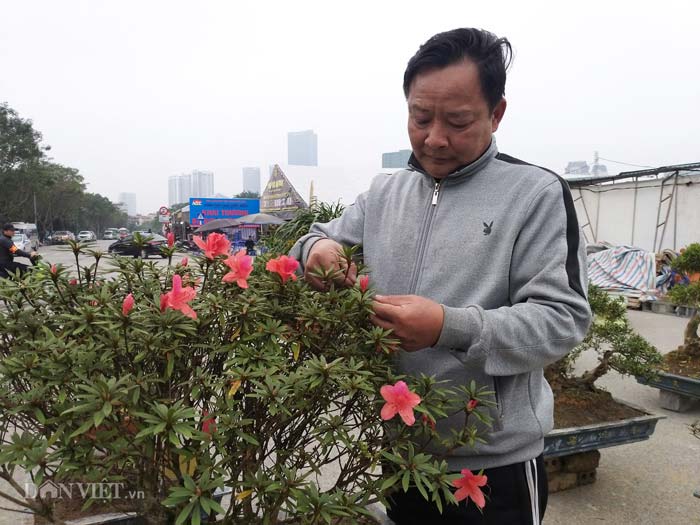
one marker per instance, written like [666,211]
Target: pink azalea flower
[54,269]
[399,400]
[241,266]
[178,297]
[284,266]
[472,404]
[73,282]
[216,244]
[184,261]
[364,283]
[171,239]
[468,487]
[127,305]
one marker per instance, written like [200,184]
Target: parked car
[122,233]
[62,237]
[127,246]
[111,234]
[87,235]
[22,242]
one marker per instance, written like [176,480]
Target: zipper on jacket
[423,240]
[436,193]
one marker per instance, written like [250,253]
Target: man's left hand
[415,320]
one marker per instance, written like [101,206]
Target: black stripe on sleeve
[573,269]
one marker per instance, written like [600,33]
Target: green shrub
[260,389]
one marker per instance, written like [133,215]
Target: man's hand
[327,254]
[415,320]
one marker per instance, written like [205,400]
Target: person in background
[250,246]
[8,251]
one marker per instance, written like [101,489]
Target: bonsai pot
[572,456]
[677,393]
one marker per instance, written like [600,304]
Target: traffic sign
[164,210]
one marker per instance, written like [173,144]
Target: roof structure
[678,169]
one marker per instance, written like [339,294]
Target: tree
[247,195]
[19,141]
[30,181]
[619,348]
[688,263]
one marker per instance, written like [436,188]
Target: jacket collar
[462,172]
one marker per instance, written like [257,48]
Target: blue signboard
[204,210]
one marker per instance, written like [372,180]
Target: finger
[381,323]
[396,300]
[350,277]
[385,311]
[315,282]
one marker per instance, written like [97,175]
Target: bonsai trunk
[691,339]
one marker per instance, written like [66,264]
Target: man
[480,266]
[8,251]
[250,246]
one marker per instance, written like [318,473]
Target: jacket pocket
[498,394]
[456,369]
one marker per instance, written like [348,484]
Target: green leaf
[185,512]
[405,480]
[82,429]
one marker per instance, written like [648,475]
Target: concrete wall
[626,213]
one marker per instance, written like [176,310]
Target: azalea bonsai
[177,380]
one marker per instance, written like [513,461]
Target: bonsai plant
[161,384]
[577,399]
[685,360]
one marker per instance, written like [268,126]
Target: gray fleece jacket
[497,244]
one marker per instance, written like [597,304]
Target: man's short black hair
[8,226]
[492,56]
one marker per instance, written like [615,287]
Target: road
[62,254]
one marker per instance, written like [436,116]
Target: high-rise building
[174,190]
[195,184]
[202,184]
[251,180]
[129,201]
[302,148]
[396,159]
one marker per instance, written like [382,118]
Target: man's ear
[498,113]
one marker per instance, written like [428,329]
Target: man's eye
[422,121]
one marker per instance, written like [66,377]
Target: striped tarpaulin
[624,269]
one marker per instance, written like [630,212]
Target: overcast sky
[131,92]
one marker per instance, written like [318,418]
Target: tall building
[195,184]
[396,159]
[129,201]
[251,180]
[202,184]
[302,148]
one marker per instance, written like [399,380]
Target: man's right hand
[328,255]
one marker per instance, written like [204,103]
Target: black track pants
[515,495]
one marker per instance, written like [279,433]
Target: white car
[22,242]
[87,236]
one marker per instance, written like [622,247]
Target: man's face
[449,121]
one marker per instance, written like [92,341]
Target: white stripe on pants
[531,475]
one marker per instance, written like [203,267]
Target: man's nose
[437,137]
